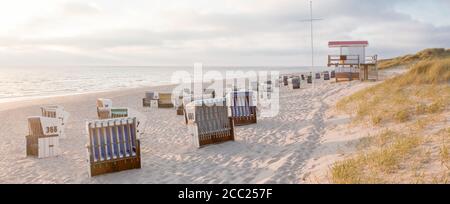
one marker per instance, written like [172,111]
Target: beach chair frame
[122,152]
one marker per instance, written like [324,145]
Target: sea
[24,83]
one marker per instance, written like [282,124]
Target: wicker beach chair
[333,74]
[326,76]
[165,100]
[295,83]
[149,96]
[241,107]
[105,110]
[58,112]
[303,77]
[317,75]
[309,80]
[209,123]
[43,138]
[285,80]
[112,145]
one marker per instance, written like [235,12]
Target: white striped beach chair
[43,138]
[112,145]
[241,107]
[208,122]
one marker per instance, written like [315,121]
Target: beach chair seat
[58,112]
[43,138]
[112,145]
[241,107]
[208,122]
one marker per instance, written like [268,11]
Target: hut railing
[336,60]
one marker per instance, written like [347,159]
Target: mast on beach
[311,20]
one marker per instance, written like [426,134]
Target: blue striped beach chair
[317,75]
[241,107]
[112,145]
[208,122]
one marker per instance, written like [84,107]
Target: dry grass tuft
[417,100]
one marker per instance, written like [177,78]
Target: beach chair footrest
[116,165]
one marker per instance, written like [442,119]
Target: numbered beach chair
[43,138]
[112,145]
[241,107]
[58,113]
[209,123]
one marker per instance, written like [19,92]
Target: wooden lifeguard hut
[352,63]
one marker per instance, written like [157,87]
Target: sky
[218,32]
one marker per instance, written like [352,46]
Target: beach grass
[412,104]
[427,54]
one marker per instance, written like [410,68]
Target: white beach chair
[43,138]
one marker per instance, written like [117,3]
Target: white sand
[283,149]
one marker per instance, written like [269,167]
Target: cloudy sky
[217,32]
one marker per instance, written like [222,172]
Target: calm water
[19,83]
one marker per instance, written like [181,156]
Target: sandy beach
[281,149]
